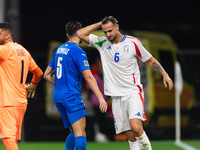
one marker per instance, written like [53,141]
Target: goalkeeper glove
[30,90]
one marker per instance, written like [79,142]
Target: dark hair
[6,26]
[72,27]
[109,19]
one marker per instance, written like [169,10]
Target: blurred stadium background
[39,23]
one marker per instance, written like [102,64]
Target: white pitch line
[184,146]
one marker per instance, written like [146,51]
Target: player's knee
[137,129]
[80,133]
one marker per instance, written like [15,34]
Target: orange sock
[10,144]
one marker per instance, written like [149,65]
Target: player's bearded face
[110,31]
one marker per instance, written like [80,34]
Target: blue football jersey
[69,61]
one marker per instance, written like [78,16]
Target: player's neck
[7,41]
[118,38]
[74,40]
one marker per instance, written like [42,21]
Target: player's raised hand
[30,90]
[103,105]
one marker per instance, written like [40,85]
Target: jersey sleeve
[82,60]
[96,41]
[4,52]
[51,63]
[141,51]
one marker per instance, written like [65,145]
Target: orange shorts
[11,119]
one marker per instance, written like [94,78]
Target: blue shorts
[70,118]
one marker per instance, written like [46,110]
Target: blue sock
[80,143]
[70,141]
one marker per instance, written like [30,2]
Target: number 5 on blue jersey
[59,68]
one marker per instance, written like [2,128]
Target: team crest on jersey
[86,63]
[126,48]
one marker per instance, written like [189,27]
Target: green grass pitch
[156,145]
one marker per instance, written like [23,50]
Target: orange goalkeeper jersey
[15,62]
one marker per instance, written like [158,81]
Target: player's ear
[117,26]
[67,35]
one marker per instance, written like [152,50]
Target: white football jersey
[120,64]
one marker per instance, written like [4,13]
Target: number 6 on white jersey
[59,68]
[116,58]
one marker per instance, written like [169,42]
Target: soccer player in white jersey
[119,54]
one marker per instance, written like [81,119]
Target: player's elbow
[88,78]
[150,61]
[87,75]
[79,33]
[83,35]
[45,76]
[39,73]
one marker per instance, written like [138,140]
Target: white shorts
[125,108]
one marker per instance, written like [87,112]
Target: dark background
[44,20]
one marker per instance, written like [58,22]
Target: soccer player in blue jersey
[65,71]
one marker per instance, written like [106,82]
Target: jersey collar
[123,39]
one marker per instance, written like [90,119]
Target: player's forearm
[85,32]
[37,75]
[93,85]
[88,29]
[50,78]
[156,66]
[49,75]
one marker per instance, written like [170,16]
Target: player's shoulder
[133,39]
[18,46]
[75,49]
[100,38]
[9,45]
[20,50]
[6,46]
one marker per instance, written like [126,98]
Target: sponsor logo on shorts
[138,114]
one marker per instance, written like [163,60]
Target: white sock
[144,142]
[134,145]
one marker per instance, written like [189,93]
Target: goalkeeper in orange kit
[15,62]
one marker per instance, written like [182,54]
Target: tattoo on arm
[157,67]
